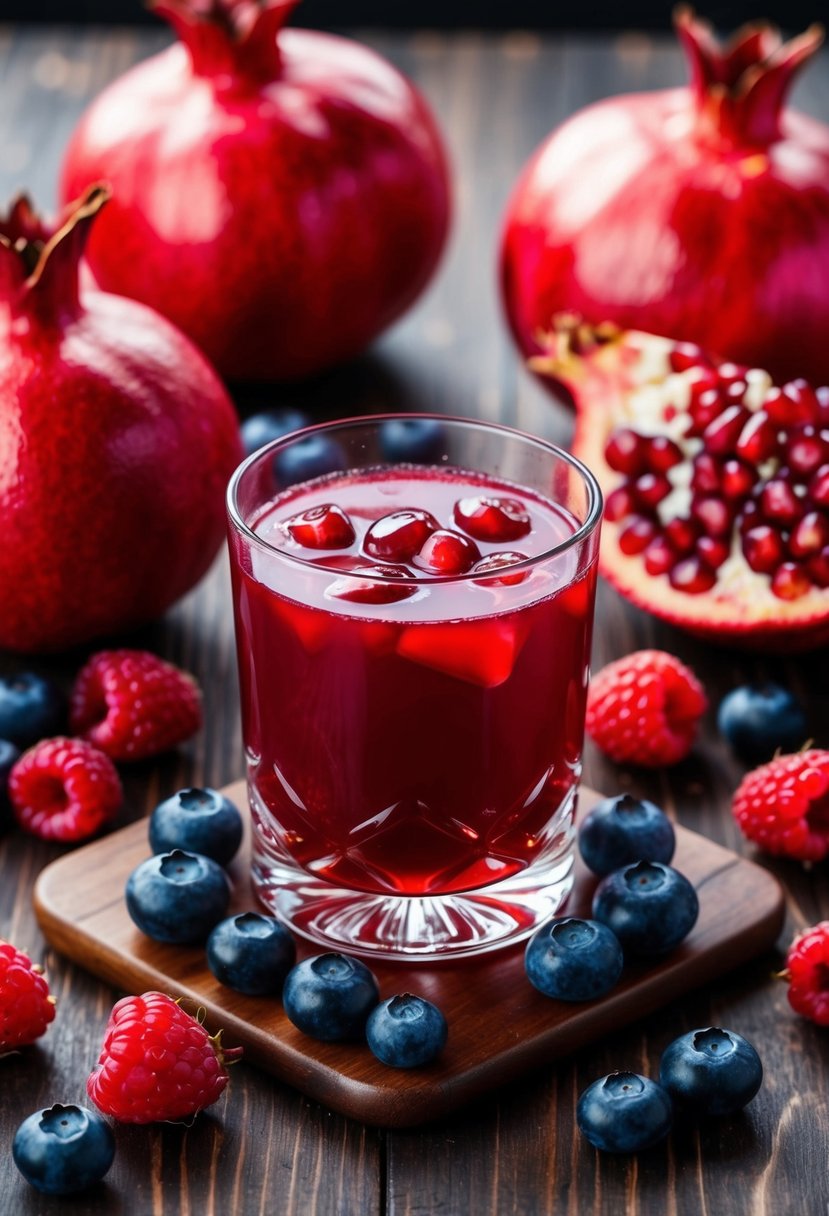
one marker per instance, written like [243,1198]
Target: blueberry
[758,719]
[713,1071]
[251,953]
[263,428]
[199,821]
[330,996]
[649,906]
[309,457]
[31,708]
[8,754]
[417,440]
[624,1113]
[573,960]
[177,897]
[406,1031]
[63,1149]
[617,831]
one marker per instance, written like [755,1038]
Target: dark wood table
[266,1149]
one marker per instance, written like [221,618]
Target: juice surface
[423,745]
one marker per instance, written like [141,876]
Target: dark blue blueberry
[263,428]
[8,754]
[416,440]
[63,1149]
[31,708]
[649,906]
[251,953]
[330,996]
[759,720]
[624,1113]
[712,1072]
[617,831]
[313,456]
[406,1031]
[177,897]
[573,960]
[199,821]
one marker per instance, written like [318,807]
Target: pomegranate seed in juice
[422,745]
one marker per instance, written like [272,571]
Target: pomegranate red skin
[117,440]
[654,212]
[280,223]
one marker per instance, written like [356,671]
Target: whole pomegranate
[116,442]
[699,213]
[281,195]
[716,483]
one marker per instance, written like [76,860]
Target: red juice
[413,707]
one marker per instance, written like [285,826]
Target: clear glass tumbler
[413,643]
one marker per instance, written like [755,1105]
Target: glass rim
[592,518]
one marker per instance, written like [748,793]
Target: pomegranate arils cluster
[738,468]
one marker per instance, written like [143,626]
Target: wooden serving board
[499,1026]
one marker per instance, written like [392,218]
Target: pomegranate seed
[819,487]
[651,488]
[682,535]
[806,450]
[730,373]
[790,582]
[618,504]
[750,515]
[707,474]
[398,536]
[637,535]
[492,519]
[447,552]
[714,516]
[721,435]
[361,591]
[500,561]
[324,527]
[692,576]
[686,355]
[779,502]
[822,395]
[758,440]
[794,403]
[659,556]
[704,408]
[763,549]
[738,479]
[661,453]
[810,536]
[818,568]
[735,392]
[713,552]
[625,451]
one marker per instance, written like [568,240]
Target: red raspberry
[64,789]
[644,709]
[782,805]
[132,704]
[157,1062]
[807,971]
[26,1008]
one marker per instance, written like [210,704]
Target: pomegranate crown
[229,40]
[39,261]
[740,87]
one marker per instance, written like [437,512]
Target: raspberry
[132,704]
[644,708]
[807,971]
[26,1008]
[64,789]
[783,805]
[157,1062]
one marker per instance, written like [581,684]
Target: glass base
[413,928]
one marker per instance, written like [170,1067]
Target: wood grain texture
[79,902]
[266,1149]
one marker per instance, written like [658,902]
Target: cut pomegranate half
[717,511]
